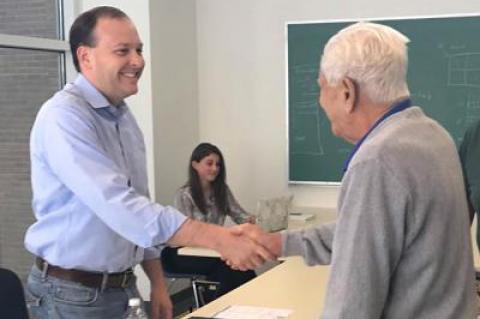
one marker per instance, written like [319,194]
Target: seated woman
[206,197]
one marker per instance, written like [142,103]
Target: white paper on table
[252,312]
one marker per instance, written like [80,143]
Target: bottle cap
[134,302]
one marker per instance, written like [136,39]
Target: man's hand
[161,305]
[241,252]
[270,241]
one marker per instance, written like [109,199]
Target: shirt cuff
[165,225]
[152,253]
[292,243]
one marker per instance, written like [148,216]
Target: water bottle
[135,310]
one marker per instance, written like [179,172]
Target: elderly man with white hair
[400,247]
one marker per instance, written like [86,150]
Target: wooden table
[292,285]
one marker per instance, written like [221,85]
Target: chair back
[12,297]
[272,213]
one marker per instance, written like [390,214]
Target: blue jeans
[52,298]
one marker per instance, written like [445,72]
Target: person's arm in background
[469,152]
[161,305]
[184,202]
[471,210]
[236,212]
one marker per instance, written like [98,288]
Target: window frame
[66,11]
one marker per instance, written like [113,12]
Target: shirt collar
[395,108]
[95,98]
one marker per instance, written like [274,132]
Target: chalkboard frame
[288,78]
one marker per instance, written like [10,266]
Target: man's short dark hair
[81,32]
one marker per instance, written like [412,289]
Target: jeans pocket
[74,294]
[34,298]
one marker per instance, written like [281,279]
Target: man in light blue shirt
[95,220]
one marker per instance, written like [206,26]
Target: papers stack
[252,312]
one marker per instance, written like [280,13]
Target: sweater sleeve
[368,241]
[313,244]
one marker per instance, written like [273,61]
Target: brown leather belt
[86,278]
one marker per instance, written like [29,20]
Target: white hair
[372,55]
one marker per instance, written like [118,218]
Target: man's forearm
[198,234]
[161,305]
[153,270]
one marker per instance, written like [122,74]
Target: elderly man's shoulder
[413,137]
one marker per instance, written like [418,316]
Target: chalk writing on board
[307,119]
[464,69]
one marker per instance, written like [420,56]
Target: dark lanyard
[395,108]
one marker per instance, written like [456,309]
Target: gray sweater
[400,247]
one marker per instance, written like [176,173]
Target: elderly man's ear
[350,94]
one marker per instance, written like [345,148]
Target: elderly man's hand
[270,241]
[242,252]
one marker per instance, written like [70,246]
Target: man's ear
[84,57]
[350,94]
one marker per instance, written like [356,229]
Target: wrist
[219,239]
[275,243]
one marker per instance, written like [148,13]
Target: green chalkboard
[443,76]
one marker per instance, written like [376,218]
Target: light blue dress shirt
[89,181]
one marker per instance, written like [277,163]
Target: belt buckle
[127,275]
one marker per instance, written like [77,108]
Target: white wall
[174,87]
[241,76]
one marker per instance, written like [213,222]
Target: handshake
[247,246]
[242,247]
